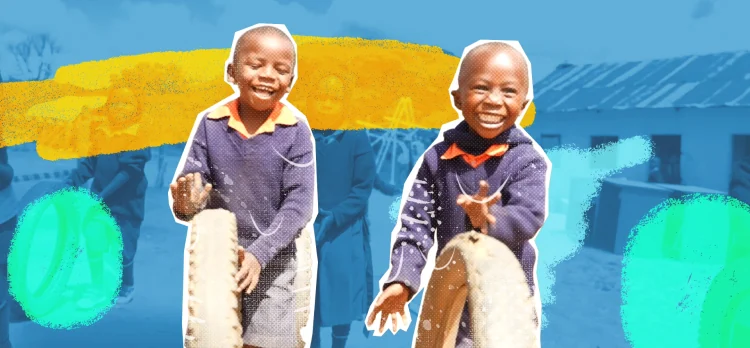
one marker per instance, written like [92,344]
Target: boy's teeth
[490,118]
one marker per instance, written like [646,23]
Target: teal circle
[686,275]
[65,260]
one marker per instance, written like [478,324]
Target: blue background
[585,312]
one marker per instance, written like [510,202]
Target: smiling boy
[486,152]
[253,157]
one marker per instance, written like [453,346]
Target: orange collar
[281,115]
[454,151]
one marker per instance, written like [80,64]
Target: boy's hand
[478,207]
[249,273]
[390,302]
[189,194]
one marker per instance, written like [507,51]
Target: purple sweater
[431,210]
[272,197]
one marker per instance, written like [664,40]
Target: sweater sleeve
[134,161]
[522,212]
[355,204]
[83,172]
[197,161]
[298,192]
[415,232]
[6,171]
[131,166]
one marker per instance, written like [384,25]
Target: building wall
[706,136]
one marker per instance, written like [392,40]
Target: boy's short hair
[262,28]
[514,45]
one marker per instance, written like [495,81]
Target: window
[549,141]
[740,153]
[665,166]
[607,160]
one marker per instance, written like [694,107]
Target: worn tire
[303,283]
[213,303]
[503,310]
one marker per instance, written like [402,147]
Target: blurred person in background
[346,175]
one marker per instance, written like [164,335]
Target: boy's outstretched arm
[196,162]
[298,183]
[416,232]
[521,218]
[355,204]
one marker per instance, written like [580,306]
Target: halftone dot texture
[685,275]
[65,261]
[576,179]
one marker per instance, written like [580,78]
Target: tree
[27,57]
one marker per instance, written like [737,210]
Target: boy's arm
[355,204]
[132,165]
[298,183]
[83,172]
[6,171]
[416,233]
[521,218]
[197,161]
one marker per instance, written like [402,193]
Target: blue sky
[578,31]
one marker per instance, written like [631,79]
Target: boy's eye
[283,69]
[481,88]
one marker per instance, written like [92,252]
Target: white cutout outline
[412,180]
[306,331]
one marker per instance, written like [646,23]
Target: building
[696,110]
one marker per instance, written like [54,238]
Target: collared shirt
[280,115]
[266,180]
[496,150]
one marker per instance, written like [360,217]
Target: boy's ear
[525,103]
[230,74]
[456,99]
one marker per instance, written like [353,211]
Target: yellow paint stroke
[346,83]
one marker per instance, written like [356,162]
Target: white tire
[303,283]
[213,303]
[503,310]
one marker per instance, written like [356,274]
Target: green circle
[725,321]
[683,282]
[65,260]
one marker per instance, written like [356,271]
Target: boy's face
[262,69]
[492,91]
[330,97]
[122,108]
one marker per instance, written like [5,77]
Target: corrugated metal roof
[713,80]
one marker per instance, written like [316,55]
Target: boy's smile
[262,69]
[492,88]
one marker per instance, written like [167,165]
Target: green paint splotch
[65,261]
[686,275]
[575,181]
